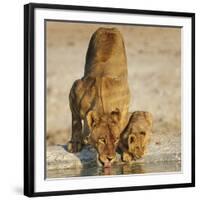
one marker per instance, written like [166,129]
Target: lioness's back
[106,55]
[106,64]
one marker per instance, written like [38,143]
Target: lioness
[136,136]
[99,101]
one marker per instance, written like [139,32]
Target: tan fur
[101,98]
[136,136]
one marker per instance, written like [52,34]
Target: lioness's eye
[102,140]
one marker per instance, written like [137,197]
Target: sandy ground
[154,60]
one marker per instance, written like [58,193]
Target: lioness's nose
[110,158]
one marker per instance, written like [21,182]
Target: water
[136,168]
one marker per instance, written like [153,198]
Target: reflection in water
[135,168]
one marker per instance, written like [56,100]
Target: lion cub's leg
[127,157]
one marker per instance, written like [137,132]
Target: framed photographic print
[108,99]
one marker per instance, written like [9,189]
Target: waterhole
[122,169]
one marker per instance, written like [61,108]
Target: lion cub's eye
[102,140]
[142,133]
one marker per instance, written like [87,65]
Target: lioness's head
[104,135]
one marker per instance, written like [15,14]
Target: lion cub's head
[104,135]
[136,136]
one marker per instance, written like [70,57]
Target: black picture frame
[29,96]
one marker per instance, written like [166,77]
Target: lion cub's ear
[92,119]
[116,115]
[131,139]
[149,118]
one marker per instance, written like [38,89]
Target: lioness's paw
[126,157]
[74,147]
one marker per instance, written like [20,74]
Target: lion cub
[136,136]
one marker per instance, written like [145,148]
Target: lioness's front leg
[76,142]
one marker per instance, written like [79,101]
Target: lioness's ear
[116,115]
[92,119]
